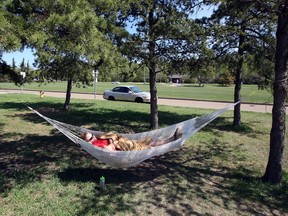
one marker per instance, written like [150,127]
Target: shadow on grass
[164,175]
[244,186]
[224,124]
[31,158]
[179,175]
[175,176]
[101,119]
[121,121]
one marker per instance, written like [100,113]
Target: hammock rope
[123,159]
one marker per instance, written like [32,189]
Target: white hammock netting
[124,159]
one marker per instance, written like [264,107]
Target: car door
[117,93]
[126,94]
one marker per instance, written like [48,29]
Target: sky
[18,56]
[27,54]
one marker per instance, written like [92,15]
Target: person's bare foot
[178,133]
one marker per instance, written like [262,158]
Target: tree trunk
[153,92]
[238,83]
[153,104]
[68,94]
[152,75]
[273,173]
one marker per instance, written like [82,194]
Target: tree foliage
[11,27]
[164,33]
[10,40]
[240,28]
[71,37]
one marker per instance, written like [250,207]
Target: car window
[136,89]
[117,89]
[125,89]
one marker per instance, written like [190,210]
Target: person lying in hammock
[116,142]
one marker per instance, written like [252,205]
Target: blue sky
[18,56]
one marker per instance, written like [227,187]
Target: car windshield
[135,89]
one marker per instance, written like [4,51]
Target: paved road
[161,101]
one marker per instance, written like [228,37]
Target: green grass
[215,173]
[250,93]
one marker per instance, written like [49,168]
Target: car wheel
[139,100]
[111,98]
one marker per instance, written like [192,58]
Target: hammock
[124,159]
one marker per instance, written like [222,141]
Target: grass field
[216,172]
[250,93]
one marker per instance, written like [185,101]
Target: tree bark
[238,83]
[152,74]
[153,103]
[273,173]
[153,92]
[68,94]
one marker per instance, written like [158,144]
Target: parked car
[115,82]
[127,93]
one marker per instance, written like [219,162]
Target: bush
[225,79]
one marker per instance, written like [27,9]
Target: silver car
[127,93]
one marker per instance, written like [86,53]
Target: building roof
[175,76]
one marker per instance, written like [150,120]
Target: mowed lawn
[216,172]
[250,93]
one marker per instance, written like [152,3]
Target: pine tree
[71,37]
[239,28]
[164,33]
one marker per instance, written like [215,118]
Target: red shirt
[100,143]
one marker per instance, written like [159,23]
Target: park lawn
[215,173]
[250,93]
